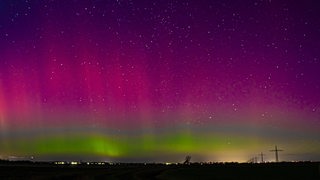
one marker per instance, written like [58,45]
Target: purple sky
[146,64]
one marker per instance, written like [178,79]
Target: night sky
[156,80]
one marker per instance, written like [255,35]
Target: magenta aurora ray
[154,81]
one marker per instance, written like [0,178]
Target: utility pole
[276,150]
[261,155]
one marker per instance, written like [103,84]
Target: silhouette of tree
[187,161]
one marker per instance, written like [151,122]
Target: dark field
[301,171]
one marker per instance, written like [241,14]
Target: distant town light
[59,162]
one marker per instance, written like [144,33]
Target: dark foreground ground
[268,171]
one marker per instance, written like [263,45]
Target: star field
[147,80]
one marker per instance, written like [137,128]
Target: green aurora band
[113,147]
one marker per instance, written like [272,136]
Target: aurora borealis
[154,81]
